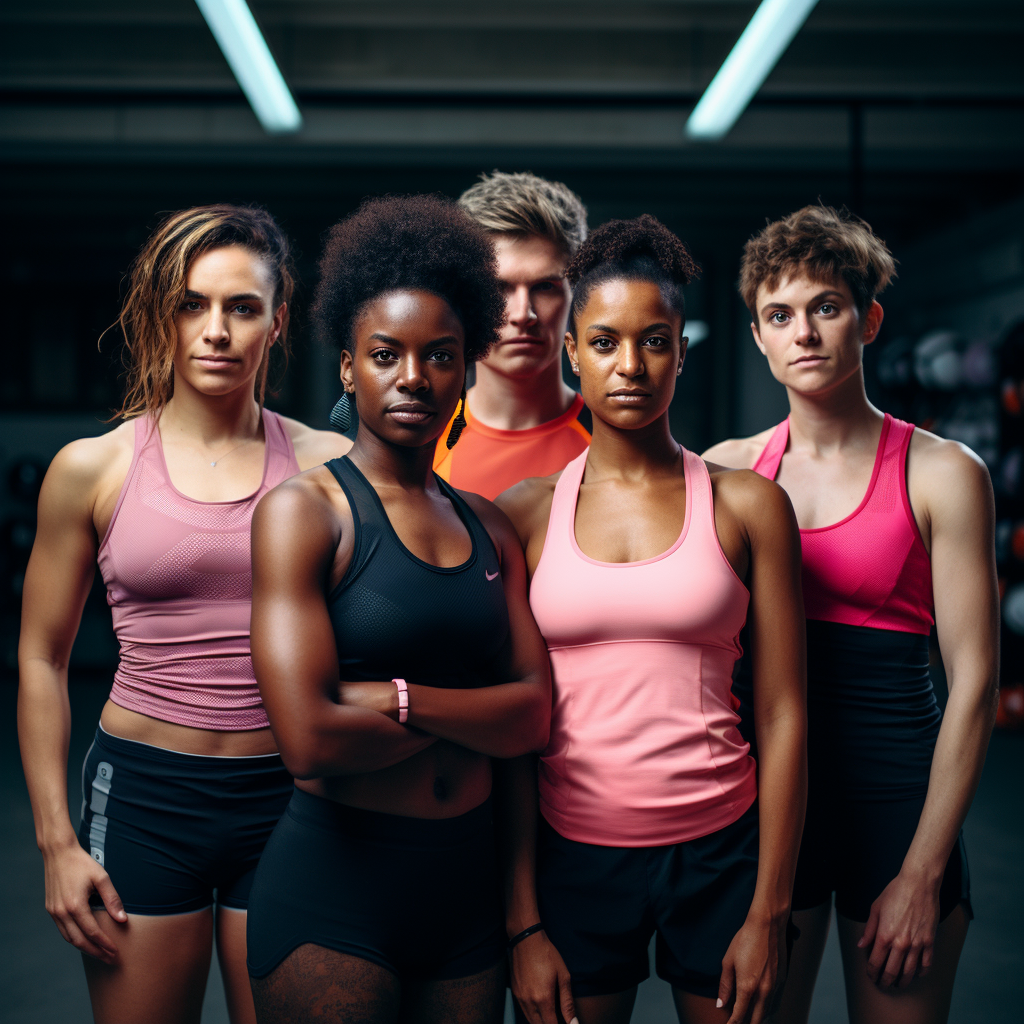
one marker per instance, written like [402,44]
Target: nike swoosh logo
[490,576]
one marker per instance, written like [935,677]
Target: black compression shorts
[418,896]
[176,831]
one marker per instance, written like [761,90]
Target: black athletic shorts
[177,832]
[421,897]
[855,848]
[600,906]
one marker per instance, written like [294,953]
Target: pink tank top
[871,568]
[179,584]
[644,749]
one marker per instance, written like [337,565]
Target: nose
[519,307]
[410,374]
[806,332]
[215,330]
[630,361]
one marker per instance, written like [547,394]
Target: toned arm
[296,535]
[951,490]
[776,627]
[81,484]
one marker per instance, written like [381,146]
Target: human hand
[541,983]
[752,968]
[899,937]
[72,876]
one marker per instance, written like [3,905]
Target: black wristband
[524,934]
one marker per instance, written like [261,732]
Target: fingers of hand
[111,900]
[565,992]
[727,984]
[893,965]
[741,1008]
[83,942]
[871,928]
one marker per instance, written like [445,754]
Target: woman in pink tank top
[897,535]
[645,563]
[183,784]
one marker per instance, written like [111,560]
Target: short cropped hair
[522,204]
[830,245]
[642,249]
[409,242]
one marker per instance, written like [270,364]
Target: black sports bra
[395,615]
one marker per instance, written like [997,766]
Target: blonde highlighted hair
[523,204]
[157,288]
[830,245]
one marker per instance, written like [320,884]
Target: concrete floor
[41,976]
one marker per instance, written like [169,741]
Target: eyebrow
[246,296]
[443,340]
[612,330]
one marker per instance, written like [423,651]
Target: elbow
[531,736]
[298,750]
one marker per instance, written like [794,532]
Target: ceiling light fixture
[242,43]
[751,60]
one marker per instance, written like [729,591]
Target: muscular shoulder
[528,504]
[739,452]
[85,469]
[745,492]
[945,474]
[314,447]
[494,518]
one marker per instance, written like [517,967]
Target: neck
[632,454]
[836,418]
[384,464]
[211,420]
[519,403]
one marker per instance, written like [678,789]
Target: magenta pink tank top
[179,584]
[644,748]
[871,568]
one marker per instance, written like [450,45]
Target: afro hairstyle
[642,249]
[409,242]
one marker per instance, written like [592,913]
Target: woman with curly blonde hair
[183,783]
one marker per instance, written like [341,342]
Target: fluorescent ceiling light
[242,43]
[764,40]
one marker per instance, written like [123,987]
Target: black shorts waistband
[146,753]
[379,826]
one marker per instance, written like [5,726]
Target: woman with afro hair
[396,653]
[645,562]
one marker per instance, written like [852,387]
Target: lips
[215,362]
[809,360]
[629,394]
[411,413]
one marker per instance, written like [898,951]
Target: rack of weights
[1009,486]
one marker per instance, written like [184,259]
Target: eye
[543,286]
[778,317]
[191,306]
[442,356]
[242,309]
[383,355]
[656,341]
[602,344]
[828,308]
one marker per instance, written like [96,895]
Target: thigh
[925,1001]
[313,985]
[612,1009]
[804,963]
[478,999]
[230,933]
[693,1009]
[160,973]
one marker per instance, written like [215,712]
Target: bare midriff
[443,781]
[131,725]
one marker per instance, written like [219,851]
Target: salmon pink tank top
[179,585]
[871,568]
[644,747]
